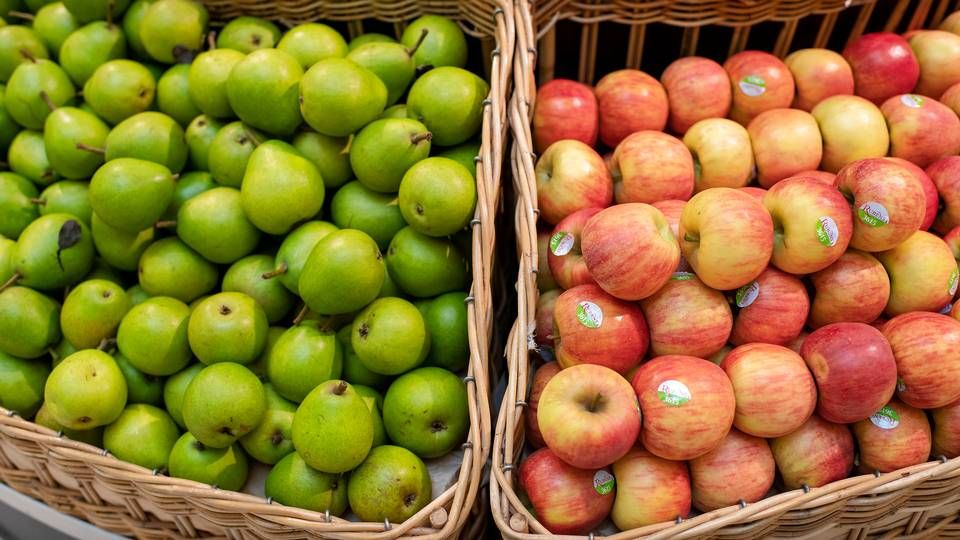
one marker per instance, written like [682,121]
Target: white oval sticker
[748,294]
[753,85]
[912,100]
[589,314]
[952,283]
[901,386]
[561,243]
[603,482]
[885,418]
[673,393]
[873,214]
[827,232]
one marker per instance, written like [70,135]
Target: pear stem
[423,36]
[8,283]
[341,388]
[106,343]
[28,55]
[46,99]
[212,39]
[302,314]
[175,176]
[346,149]
[21,15]
[110,13]
[280,269]
[38,200]
[91,149]
[165,224]
[417,138]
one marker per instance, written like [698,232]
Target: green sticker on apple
[873,214]
[561,243]
[673,393]
[952,284]
[885,418]
[603,482]
[753,85]
[589,314]
[747,294]
[912,100]
[901,386]
[827,232]
[681,276]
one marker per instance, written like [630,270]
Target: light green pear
[90,46]
[247,34]
[392,62]
[355,206]
[384,149]
[344,273]
[200,134]
[391,484]
[18,44]
[172,30]
[35,88]
[424,266]
[54,251]
[225,468]
[271,440]
[263,90]
[67,197]
[29,322]
[189,185]
[247,276]
[302,358]
[53,23]
[143,435]
[331,155]
[74,141]
[131,194]
[214,225]
[120,89]
[369,37]
[168,267]
[294,251]
[449,101]
[131,26]
[332,429]
[149,136]
[86,390]
[443,42]
[175,387]
[207,81]
[121,249]
[227,327]
[230,151]
[390,336]
[27,157]
[153,336]
[338,96]
[92,312]
[292,482]
[141,387]
[90,436]
[173,95]
[17,208]
[223,402]
[438,196]
[21,384]
[280,188]
[311,42]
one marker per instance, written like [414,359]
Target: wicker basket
[918,502]
[83,481]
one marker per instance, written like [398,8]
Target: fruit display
[747,282]
[225,245]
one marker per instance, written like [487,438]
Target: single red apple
[818,453]
[773,309]
[922,130]
[929,190]
[819,74]
[853,289]
[938,54]
[785,142]
[564,255]
[630,101]
[741,468]
[951,98]
[883,66]
[567,500]
[543,333]
[722,155]
[697,88]
[565,109]
[650,490]
[571,176]
[687,317]
[923,274]
[540,379]
[894,437]
[946,430]
[945,174]
[927,351]
[650,166]
[760,82]
[852,128]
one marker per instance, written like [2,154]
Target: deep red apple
[929,190]
[567,500]
[946,430]
[773,309]
[818,453]
[741,468]
[697,88]
[687,317]
[571,176]
[543,333]
[883,66]
[650,490]
[894,437]
[938,53]
[564,255]
[927,351]
[650,166]
[565,109]
[945,174]
[853,289]
[630,101]
[540,379]
[819,74]
[760,82]
[922,130]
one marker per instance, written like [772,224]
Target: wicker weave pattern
[81,480]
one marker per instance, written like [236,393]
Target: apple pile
[747,277]
[239,245]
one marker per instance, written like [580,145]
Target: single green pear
[225,468]
[344,273]
[311,42]
[90,436]
[7,247]
[17,208]
[443,42]
[67,197]
[86,390]
[91,10]
[149,136]
[370,37]
[390,336]
[90,46]
[332,429]
[446,318]
[374,402]
[424,266]
[8,126]
[29,322]
[21,384]
[189,185]
[449,101]
[54,251]
[259,366]
[465,154]
[391,62]
[173,96]
[292,482]
[338,96]
[390,288]
[18,44]
[294,251]
[224,402]
[227,327]
[120,89]
[120,248]
[207,81]
[280,188]
[246,276]
[247,34]
[131,26]
[53,23]
[36,88]
[153,336]
[302,358]
[426,411]
[438,196]
[34,5]
[263,90]
[175,387]
[172,30]
[92,312]
[137,295]
[230,150]
[214,225]
[331,155]
[131,194]
[141,387]
[61,351]
[355,206]
[143,435]
[272,439]
[395,111]
[74,141]
[168,267]
[27,157]
[200,134]
[384,149]
[354,372]
[391,484]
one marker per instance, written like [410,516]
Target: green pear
[53,23]
[224,402]
[153,336]
[438,196]
[168,267]
[355,206]
[189,185]
[29,322]
[17,209]
[120,89]
[354,372]
[54,251]
[465,154]
[394,111]
[344,272]
[390,336]
[263,90]
[18,44]
[391,62]
[424,266]
[35,88]
[141,387]
[292,482]
[143,435]
[131,26]
[280,188]
[391,484]
[271,440]
[74,139]
[91,10]
[213,224]
[227,327]
[311,42]
[118,247]
[207,81]
[426,411]
[92,312]
[173,96]
[131,194]
[259,366]
[303,357]
[449,101]
[175,387]
[446,318]
[137,295]
[150,136]
[383,151]
[294,251]
[27,157]
[90,46]
[8,126]
[247,34]
[7,247]
[230,150]
[374,402]
[200,134]
[21,384]
[90,436]
[246,276]
[338,96]
[330,154]
[370,37]
[332,429]
[86,390]
[225,468]
[67,197]
[61,351]
[171,30]
[443,42]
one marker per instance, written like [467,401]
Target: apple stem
[91,149]
[423,35]
[13,279]
[280,269]
[341,388]
[165,224]
[21,15]
[595,403]
[346,148]
[687,237]
[302,314]
[38,200]
[417,138]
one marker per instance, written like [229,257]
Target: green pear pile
[244,244]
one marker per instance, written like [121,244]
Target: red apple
[922,130]
[687,404]
[671,209]
[773,309]
[540,379]
[785,142]
[894,437]
[564,256]
[952,240]
[592,327]
[722,155]
[927,349]
[571,176]
[566,500]
[818,453]
[923,274]
[883,66]
[946,430]
[929,190]
[853,289]
[543,332]
[630,101]
[565,109]
[588,416]
[945,174]
[854,368]
[741,468]
[650,490]
[938,53]
[545,281]
[852,128]
[687,317]
[760,82]
[757,193]
[651,166]
[819,74]
[887,199]
[630,250]
[697,88]
[951,98]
